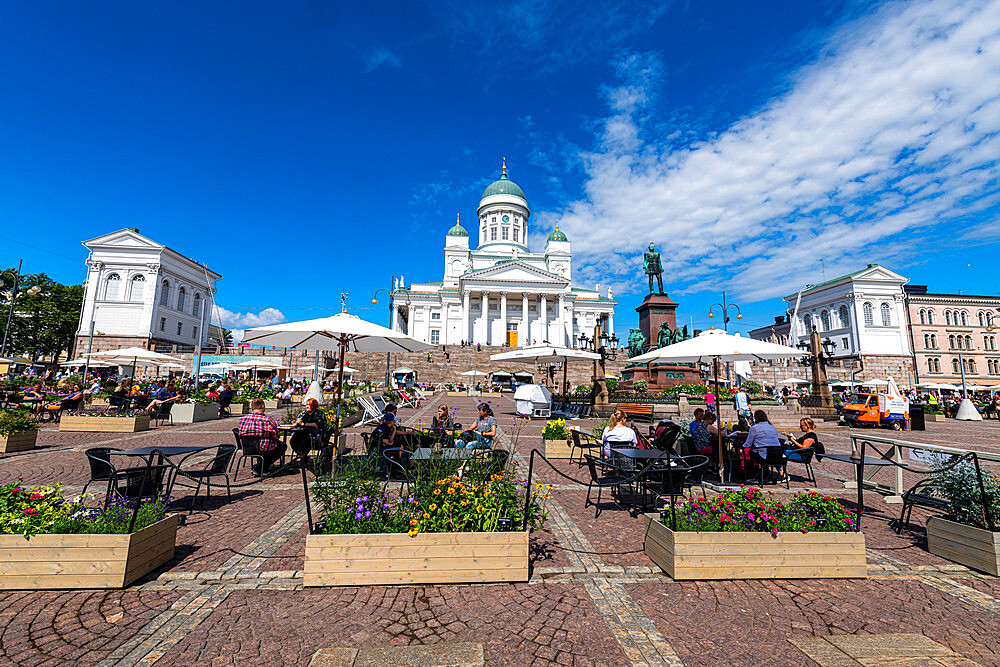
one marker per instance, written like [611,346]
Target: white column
[524,334]
[543,317]
[465,316]
[485,317]
[503,318]
[409,320]
[560,322]
[611,323]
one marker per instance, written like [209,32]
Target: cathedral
[501,293]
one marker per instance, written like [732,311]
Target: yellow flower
[547,497]
[413,522]
[464,503]
[451,490]
[437,492]
[412,532]
[426,515]
[433,507]
[486,492]
[479,509]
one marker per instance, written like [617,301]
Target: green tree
[227,337]
[43,323]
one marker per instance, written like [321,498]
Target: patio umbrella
[717,346]
[342,332]
[76,362]
[874,383]
[475,373]
[547,353]
[795,381]
[132,356]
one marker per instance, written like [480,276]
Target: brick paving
[233,594]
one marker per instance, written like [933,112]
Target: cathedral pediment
[513,271]
[123,238]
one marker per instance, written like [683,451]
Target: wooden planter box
[558,449]
[973,547]
[189,413]
[244,408]
[99,402]
[698,556]
[427,558]
[105,424]
[18,442]
[84,561]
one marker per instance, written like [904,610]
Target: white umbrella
[545,354]
[475,373]
[714,346]
[795,381]
[342,332]
[216,367]
[874,383]
[76,362]
[130,355]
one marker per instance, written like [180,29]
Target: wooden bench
[637,412]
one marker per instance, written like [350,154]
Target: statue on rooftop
[653,268]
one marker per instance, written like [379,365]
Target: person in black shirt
[314,429]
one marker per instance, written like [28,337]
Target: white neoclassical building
[501,293]
[141,293]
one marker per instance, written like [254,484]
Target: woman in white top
[617,434]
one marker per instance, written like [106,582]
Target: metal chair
[396,463]
[583,442]
[141,483]
[608,477]
[217,466]
[803,456]
[162,414]
[671,476]
[249,446]
[101,469]
[774,458]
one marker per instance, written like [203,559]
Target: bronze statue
[666,336]
[636,342]
[653,268]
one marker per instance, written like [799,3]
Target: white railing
[895,452]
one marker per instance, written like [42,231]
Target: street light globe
[739,316]
[33,290]
[711,314]
[375,301]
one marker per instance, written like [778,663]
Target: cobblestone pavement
[233,593]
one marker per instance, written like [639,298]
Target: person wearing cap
[384,434]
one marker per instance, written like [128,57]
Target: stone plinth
[654,310]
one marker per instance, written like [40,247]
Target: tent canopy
[533,392]
[403,370]
[475,373]
[794,381]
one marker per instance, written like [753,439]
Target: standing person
[616,433]
[742,404]
[710,401]
[258,424]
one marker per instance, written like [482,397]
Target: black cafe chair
[217,466]
[603,475]
[101,469]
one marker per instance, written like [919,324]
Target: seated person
[315,429]
[761,436]
[258,424]
[442,423]
[168,395]
[806,440]
[286,395]
[70,402]
[383,437]
[35,395]
[482,434]
[699,413]
[617,433]
[701,437]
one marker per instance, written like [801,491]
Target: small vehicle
[876,410]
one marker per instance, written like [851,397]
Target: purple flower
[367,513]
[358,515]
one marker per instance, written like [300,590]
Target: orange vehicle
[876,410]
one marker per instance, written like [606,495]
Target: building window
[970,366]
[968,343]
[989,342]
[886,315]
[824,317]
[927,340]
[493,233]
[923,317]
[965,319]
[951,342]
[845,318]
[869,311]
[515,232]
[504,232]
[435,337]
[435,315]
[989,319]
[197,304]
[164,292]
[955,368]
[163,324]
[181,298]
[930,317]
[947,317]
[808,322]
[138,285]
[933,365]
[934,341]
[194,333]
[982,319]
[180,328]
[844,344]
[111,287]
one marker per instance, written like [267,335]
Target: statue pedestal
[654,310]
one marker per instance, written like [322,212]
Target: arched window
[965,319]
[982,319]
[970,366]
[112,286]
[930,317]
[947,317]
[968,343]
[934,341]
[808,322]
[923,317]
[824,317]
[165,292]
[989,319]
[138,287]
[869,311]
[197,305]
[845,318]
[951,342]
[955,368]
[886,315]
[181,297]
[927,340]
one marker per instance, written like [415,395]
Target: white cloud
[231,320]
[382,56]
[890,136]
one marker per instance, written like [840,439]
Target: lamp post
[607,347]
[31,291]
[388,355]
[724,307]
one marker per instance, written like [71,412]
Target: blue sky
[308,149]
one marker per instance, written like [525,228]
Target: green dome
[504,186]
[557,235]
[457,230]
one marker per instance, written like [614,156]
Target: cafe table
[450,453]
[859,465]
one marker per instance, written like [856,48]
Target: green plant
[555,430]
[249,393]
[602,424]
[28,512]
[752,387]
[201,398]
[16,421]
[612,384]
[752,510]
[583,389]
[641,386]
[960,487]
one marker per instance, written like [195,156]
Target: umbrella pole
[564,384]
[718,428]
[340,394]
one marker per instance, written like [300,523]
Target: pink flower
[36,496]
[751,516]
[31,510]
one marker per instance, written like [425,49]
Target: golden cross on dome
[504,166]
[557,224]
[458,218]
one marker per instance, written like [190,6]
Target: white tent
[532,400]
[794,381]
[873,383]
[541,354]
[76,362]
[475,373]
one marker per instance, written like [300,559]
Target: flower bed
[18,431]
[457,528]
[748,534]
[49,542]
[556,440]
[104,423]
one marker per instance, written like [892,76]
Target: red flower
[36,496]
[31,510]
